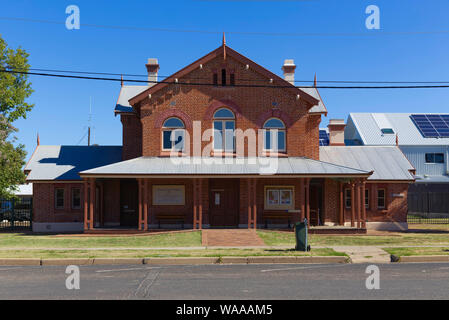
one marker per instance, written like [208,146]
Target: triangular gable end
[220,51]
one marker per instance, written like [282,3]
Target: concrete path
[231,238]
[365,254]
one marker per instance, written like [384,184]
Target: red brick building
[221,143]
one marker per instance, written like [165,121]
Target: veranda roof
[214,166]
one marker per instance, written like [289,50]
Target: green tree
[12,159]
[14,90]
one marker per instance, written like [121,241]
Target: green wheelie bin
[301,236]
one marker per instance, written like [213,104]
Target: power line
[248,33]
[238,79]
[236,85]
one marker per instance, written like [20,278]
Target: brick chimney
[336,132]
[152,68]
[289,70]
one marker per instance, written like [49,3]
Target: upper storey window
[224,126]
[173,134]
[274,135]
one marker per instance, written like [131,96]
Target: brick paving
[231,238]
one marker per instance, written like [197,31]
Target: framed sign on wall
[168,195]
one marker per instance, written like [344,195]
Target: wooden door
[223,199]
[129,200]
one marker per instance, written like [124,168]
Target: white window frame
[173,131]
[276,130]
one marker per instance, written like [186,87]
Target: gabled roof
[401,123]
[308,96]
[126,93]
[291,166]
[387,162]
[49,163]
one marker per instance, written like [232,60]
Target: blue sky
[61,107]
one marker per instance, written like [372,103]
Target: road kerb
[67,262]
[20,262]
[234,260]
[118,261]
[182,260]
[440,258]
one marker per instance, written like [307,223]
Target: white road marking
[4,269]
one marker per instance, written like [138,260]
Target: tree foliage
[14,90]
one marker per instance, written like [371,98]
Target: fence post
[31,213]
[13,210]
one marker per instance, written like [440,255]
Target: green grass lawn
[400,252]
[428,235]
[177,239]
[136,253]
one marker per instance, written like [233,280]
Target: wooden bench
[276,216]
[171,218]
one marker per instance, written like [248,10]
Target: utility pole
[90,119]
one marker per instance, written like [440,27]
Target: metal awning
[224,167]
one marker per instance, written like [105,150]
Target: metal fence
[16,214]
[428,207]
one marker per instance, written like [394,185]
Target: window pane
[281,140]
[381,198]
[267,140]
[439,158]
[178,138]
[173,123]
[286,196]
[274,123]
[229,135]
[273,197]
[223,114]
[218,136]
[348,198]
[366,198]
[76,198]
[59,198]
[167,142]
[430,158]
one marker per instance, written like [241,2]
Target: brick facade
[252,106]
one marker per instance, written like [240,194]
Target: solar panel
[432,125]
[324,138]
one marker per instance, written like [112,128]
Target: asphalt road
[397,281]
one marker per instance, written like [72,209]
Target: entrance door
[224,205]
[129,200]
[316,205]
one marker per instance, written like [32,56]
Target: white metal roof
[225,166]
[387,162]
[126,93]
[401,123]
[24,190]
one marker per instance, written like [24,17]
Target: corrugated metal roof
[401,123]
[126,93]
[64,162]
[225,166]
[388,163]
[24,190]
[320,107]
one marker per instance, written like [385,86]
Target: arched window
[274,132]
[224,126]
[173,134]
